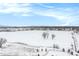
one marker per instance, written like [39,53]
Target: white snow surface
[62,38]
[34,38]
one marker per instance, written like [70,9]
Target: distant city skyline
[39,14]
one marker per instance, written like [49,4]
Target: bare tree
[53,36]
[2,41]
[45,35]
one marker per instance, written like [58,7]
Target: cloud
[15,8]
[25,1]
[13,1]
[66,15]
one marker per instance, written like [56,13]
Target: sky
[39,14]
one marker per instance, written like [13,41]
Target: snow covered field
[35,38]
[63,38]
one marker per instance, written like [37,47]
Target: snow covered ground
[35,39]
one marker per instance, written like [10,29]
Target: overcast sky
[39,14]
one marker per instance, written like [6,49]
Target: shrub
[71,53]
[46,50]
[76,54]
[63,50]
[78,51]
[38,54]
[37,50]
[68,51]
[56,46]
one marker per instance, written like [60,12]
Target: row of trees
[45,35]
